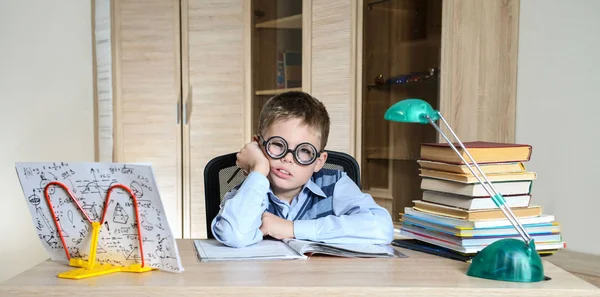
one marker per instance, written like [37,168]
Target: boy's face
[286,175]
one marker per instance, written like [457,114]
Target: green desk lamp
[505,259]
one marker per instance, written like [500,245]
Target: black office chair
[219,179]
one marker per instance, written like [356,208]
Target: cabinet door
[147,84]
[307,45]
[459,55]
[401,57]
[332,53]
[214,86]
[278,51]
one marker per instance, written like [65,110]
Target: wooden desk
[419,275]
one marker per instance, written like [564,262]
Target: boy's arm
[239,219]
[356,219]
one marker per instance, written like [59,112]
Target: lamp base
[509,260]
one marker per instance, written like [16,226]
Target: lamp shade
[411,111]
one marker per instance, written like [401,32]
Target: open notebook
[287,249]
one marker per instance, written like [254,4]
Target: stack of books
[457,213]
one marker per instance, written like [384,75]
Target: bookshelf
[276,91]
[384,153]
[401,58]
[474,89]
[290,22]
[426,83]
[276,50]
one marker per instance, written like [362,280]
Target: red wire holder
[102,220]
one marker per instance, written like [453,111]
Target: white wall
[558,104]
[46,107]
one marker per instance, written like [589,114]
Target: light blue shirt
[346,215]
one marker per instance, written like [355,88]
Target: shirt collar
[310,185]
[313,187]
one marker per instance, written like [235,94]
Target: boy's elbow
[383,234]
[384,231]
[233,241]
[229,237]
[388,233]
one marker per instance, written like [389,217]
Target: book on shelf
[471,179]
[280,77]
[484,214]
[289,69]
[463,169]
[288,249]
[482,151]
[473,203]
[476,190]
[292,65]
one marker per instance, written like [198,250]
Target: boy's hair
[300,105]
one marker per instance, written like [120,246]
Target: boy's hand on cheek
[251,158]
[276,227]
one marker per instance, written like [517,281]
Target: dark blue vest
[315,206]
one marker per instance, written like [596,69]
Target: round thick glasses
[276,147]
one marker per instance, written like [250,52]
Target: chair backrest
[219,179]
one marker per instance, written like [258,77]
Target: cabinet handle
[185,113]
[187,107]
[178,112]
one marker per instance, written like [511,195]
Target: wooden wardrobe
[179,82]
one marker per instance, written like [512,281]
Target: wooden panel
[147,79]
[215,58]
[333,77]
[306,45]
[103,80]
[479,68]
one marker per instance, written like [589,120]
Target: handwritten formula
[118,241]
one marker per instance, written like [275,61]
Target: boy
[287,194]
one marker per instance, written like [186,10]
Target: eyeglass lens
[304,153]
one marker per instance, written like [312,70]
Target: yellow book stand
[91,267]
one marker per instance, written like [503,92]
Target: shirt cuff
[305,229]
[257,182]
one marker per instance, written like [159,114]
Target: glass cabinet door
[276,50]
[401,58]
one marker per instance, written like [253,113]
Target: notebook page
[212,250]
[343,250]
[364,248]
